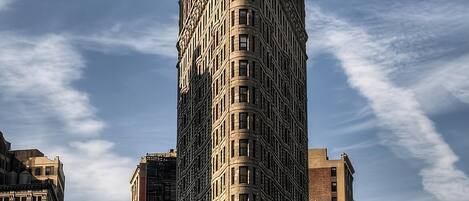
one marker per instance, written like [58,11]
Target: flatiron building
[242,103]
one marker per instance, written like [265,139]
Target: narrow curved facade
[242,123]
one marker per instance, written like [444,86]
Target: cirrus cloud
[371,62]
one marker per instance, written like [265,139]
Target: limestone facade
[242,125]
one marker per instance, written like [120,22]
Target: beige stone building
[329,180]
[43,169]
[27,175]
[28,192]
[242,129]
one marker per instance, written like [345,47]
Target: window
[23,199]
[232,122]
[334,187]
[243,16]
[243,120]
[252,70]
[253,96]
[243,175]
[232,18]
[334,199]
[253,18]
[253,175]
[232,95]
[243,197]
[243,147]
[243,42]
[38,171]
[49,170]
[232,44]
[243,68]
[232,148]
[243,94]
[232,175]
[333,172]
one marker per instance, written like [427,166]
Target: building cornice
[297,23]
[196,12]
[189,25]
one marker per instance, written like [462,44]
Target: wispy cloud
[370,61]
[444,84]
[144,36]
[37,76]
[95,172]
[4,3]
[362,145]
[40,71]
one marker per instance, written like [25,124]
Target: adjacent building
[329,180]
[242,116]
[154,179]
[28,175]
[44,191]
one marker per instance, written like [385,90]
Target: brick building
[329,180]
[154,179]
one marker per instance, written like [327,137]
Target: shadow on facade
[194,145]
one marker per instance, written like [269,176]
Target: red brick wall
[320,184]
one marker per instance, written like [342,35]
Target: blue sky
[388,83]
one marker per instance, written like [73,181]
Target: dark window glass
[232,18]
[334,199]
[49,170]
[232,95]
[253,96]
[243,175]
[232,148]
[38,171]
[253,18]
[243,197]
[243,120]
[333,172]
[243,94]
[334,187]
[243,68]
[232,175]
[243,16]
[232,44]
[253,69]
[232,122]
[232,69]
[243,147]
[254,177]
[243,42]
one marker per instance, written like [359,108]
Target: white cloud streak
[41,71]
[95,171]
[140,36]
[445,84]
[368,63]
[36,82]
